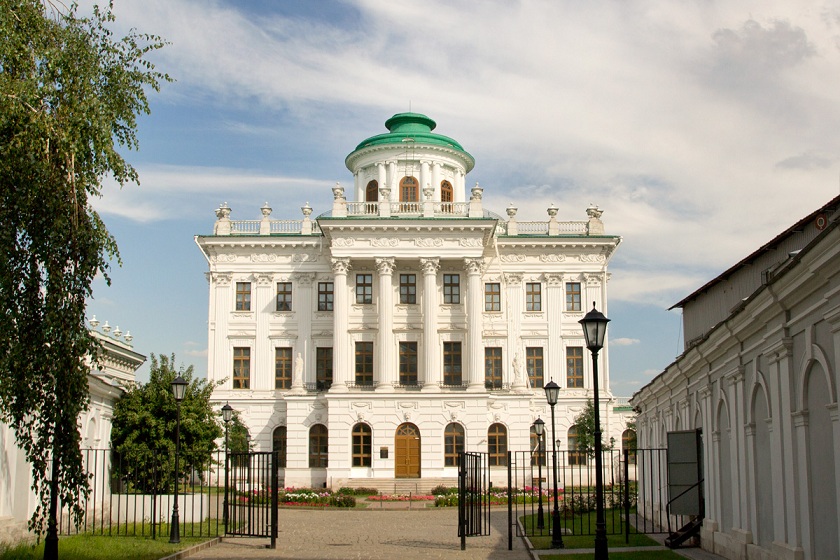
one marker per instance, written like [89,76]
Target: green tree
[69,97]
[585,422]
[145,419]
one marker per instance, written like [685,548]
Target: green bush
[346,491]
[446,500]
[362,491]
[340,500]
[442,490]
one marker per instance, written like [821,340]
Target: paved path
[372,534]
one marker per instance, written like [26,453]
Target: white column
[514,297]
[553,305]
[302,306]
[360,188]
[431,359]
[380,175]
[425,179]
[219,358]
[342,364]
[475,342]
[386,368]
[393,181]
[436,181]
[263,371]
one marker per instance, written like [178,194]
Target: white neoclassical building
[759,377]
[406,323]
[118,363]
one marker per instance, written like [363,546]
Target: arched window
[362,436]
[408,189]
[628,442]
[453,444]
[278,443]
[537,450]
[318,446]
[497,445]
[446,191]
[372,192]
[576,457]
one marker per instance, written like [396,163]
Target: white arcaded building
[406,323]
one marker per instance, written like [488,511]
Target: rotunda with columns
[405,324]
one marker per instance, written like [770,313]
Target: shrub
[362,491]
[346,491]
[442,490]
[446,500]
[340,500]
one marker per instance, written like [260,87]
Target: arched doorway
[407,452]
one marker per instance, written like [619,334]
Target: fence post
[627,496]
[274,497]
[462,498]
[510,503]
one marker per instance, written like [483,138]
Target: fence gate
[473,496]
[251,494]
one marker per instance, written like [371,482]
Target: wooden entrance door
[407,452]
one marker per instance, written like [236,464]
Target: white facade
[118,363]
[761,382]
[405,321]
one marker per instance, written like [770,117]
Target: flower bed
[400,498]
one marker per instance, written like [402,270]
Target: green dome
[404,127]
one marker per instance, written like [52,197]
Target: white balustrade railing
[244,227]
[286,226]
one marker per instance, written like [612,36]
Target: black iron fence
[252,496]
[635,484]
[473,496]
[132,498]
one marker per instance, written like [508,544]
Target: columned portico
[431,361]
[474,324]
[343,365]
[385,341]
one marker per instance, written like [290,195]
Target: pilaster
[431,361]
[343,364]
[474,325]
[386,368]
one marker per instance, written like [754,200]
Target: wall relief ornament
[552,258]
[467,242]
[513,278]
[263,258]
[222,278]
[384,242]
[555,280]
[224,258]
[428,242]
[340,266]
[513,258]
[304,278]
[592,258]
[343,242]
[304,257]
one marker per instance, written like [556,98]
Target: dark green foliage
[69,96]
[145,419]
[342,501]
[585,421]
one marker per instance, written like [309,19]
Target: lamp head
[594,329]
[552,392]
[179,388]
[227,413]
[539,427]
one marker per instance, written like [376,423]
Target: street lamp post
[179,387]
[594,331]
[539,429]
[227,416]
[552,393]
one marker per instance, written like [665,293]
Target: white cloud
[624,341]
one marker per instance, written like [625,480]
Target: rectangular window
[572,296]
[492,297]
[533,296]
[362,455]
[241,368]
[325,296]
[493,367]
[364,288]
[574,367]
[364,363]
[408,288]
[452,288]
[243,296]
[323,368]
[282,368]
[408,363]
[284,296]
[452,363]
[534,366]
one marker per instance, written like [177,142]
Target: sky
[701,128]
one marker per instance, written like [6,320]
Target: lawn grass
[615,524]
[639,555]
[88,547]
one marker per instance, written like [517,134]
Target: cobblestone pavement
[372,534]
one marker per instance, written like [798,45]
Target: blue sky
[701,128]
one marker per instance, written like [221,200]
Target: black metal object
[473,496]
[131,497]
[253,495]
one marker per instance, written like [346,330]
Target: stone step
[402,486]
